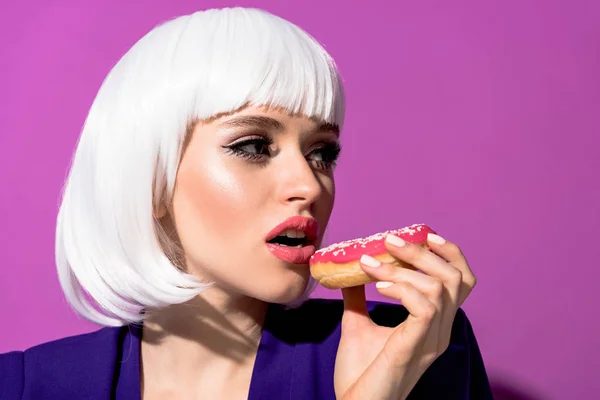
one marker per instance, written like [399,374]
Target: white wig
[110,261]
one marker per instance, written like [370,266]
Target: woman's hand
[375,362]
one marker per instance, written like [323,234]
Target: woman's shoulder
[53,366]
[68,346]
[11,375]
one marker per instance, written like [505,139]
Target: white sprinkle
[339,248]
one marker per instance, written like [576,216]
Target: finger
[422,313]
[355,307]
[428,288]
[455,257]
[427,262]
[431,286]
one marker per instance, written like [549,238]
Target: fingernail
[383,285]
[395,240]
[370,261]
[433,238]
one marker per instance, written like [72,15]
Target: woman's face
[240,178]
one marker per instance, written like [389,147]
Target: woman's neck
[202,347]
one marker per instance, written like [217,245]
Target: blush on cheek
[215,206]
[211,192]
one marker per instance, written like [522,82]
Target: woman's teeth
[291,238]
[292,233]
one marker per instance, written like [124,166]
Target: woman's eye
[326,156]
[323,157]
[252,149]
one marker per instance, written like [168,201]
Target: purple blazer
[295,360]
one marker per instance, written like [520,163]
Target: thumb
[355,307]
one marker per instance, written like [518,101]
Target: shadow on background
[506,390]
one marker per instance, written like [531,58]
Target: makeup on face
[293,240]
[254,136]
[253,189]
[254,140]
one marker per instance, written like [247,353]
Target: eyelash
[330,151]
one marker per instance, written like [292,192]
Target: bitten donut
[338,266]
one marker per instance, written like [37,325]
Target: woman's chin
[285,290]
[274,284]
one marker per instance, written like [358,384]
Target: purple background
[479,118]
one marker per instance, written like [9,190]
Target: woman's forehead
[269,118]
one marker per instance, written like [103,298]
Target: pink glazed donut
[338,266]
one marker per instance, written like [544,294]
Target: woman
[215,131]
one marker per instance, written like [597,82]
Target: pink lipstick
[293,240]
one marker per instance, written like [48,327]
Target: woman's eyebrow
[253,121]
[271,124]
[328,127]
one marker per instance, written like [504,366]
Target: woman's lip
[309,226]
[292,255]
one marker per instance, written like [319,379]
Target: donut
[337,266]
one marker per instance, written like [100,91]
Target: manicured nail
[370,261]
[383,285]
[395,240]
[433,238]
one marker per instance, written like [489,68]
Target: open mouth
[293,241]
[290,238]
